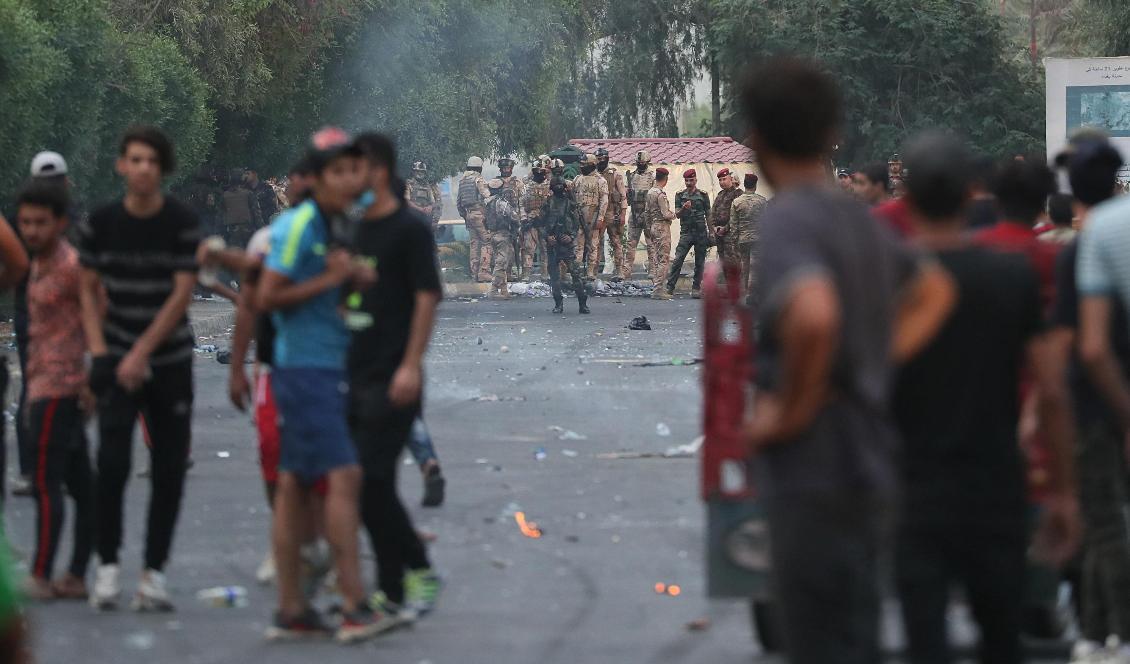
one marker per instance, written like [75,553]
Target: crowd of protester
[943,366]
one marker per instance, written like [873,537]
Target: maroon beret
[723,173]
[689,173]
[662,172]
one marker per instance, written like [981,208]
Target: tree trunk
[715,96]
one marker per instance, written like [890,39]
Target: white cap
[48,164]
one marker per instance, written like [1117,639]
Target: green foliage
[903,67]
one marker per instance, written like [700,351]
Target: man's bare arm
[809,329]
[420,331]
[921,312]
[1098,358]
[90,301]
[13,257]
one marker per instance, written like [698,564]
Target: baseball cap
[48,164]
[327,144]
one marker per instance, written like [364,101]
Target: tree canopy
[242,83]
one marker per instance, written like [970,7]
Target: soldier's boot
[584,307]
[696,293]
[660,293]
[559,306]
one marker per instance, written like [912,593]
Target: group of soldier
[567,222]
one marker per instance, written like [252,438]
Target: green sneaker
[421,590]
[380,603]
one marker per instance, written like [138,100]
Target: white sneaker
[265,575]
[152,594]
[107,590]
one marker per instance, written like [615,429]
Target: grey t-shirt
[852,443]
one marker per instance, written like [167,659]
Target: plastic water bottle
[224,596]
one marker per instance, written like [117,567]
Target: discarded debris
[141,640]
[569,453]
[566,434]
[639,323]
[528,528]
[224,596]
[492,398]
[540,454]
[601,288]
[479,341]
[675,452]
[206,348]
[223,454]
[698,625]
[673,362]
[662,429]
[500,563]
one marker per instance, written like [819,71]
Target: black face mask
[506,172]
[641,168]
[558,191]
[602,165]
[539,176]
[587,169]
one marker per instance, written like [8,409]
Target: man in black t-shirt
[391,325]
[141,252]
[964,515]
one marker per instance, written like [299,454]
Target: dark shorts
[312,421]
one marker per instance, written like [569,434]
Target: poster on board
[1088,92]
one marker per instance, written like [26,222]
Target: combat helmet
[642,157]
[475,162]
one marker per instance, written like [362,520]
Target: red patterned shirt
[56,343]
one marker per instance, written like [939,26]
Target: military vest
[468,195]
[499,214]
[639,184]
[586,188]
[420,193]
[537,193]
[615,196]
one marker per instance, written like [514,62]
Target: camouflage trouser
[1104,504]
[659,251]
[615,232]
[588,242]
[480,244]
[563,255]
[630,244]
[532,245]
[502,246]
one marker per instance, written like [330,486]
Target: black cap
[327,144]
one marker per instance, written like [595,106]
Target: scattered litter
[569,453]
[492,398]
[206,348]
[479,341]
[531,289]
[141,640]
[500,563]
[698,625]
[223,455]
[573,539]
[481,461]
[566,434]
[224,357]
[518,288]
[673,362]
[504,349]
[601,288]
[224,596]
[662,429]
[528,528]
[540,454]
[639,323]
[682,451]
[665,589]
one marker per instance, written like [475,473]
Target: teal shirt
[312,334]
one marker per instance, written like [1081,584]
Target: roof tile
[718,149]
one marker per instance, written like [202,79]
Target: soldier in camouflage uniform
[691,207]
[512,187]
[471,195]
[615,216]
[424,195]
[535,194]
[745,215]
[560,222]
[658,215]
[502,224]
[591,193]
[640,182]
[719,220]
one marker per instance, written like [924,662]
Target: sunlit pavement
[582,592]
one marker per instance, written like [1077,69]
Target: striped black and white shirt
[136,260]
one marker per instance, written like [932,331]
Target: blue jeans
[420,443]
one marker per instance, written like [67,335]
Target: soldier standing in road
[469,199]
[745,215]
[615,216]
[591,192]
[512,186]
[691,206]
[560,222]
[719,222]
[535,194]
[657,216]
[241,211]
[502,224]
[640,182]
[424,195]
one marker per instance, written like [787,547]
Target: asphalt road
[505,379]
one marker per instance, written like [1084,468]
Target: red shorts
[267,422]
